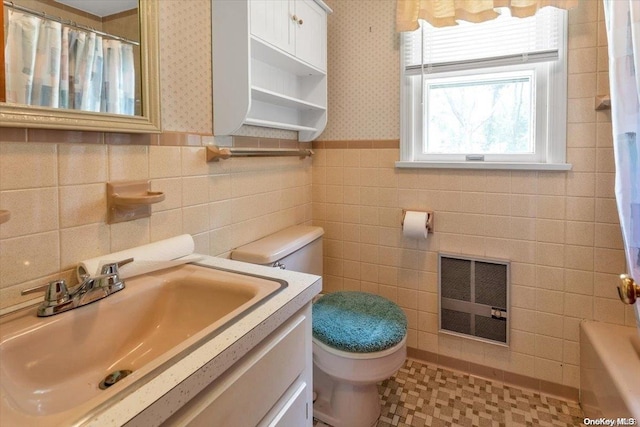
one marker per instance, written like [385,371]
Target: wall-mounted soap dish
[129,200]
[4,216]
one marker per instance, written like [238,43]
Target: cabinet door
[248,391]
[295,410]
[311,33]
[271,21]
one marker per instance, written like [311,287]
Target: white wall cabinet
[311,33]
[272,21]
[270,65]
[271,386]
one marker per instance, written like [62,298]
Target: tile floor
[428,395]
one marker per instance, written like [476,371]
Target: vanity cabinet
[270,65]
[270,386]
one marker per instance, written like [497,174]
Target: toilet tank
[297,248]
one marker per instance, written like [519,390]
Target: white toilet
[349,356]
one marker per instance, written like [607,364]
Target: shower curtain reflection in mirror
[49,64]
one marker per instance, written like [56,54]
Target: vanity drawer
[294,406]
[254,385]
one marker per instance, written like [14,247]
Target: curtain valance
[444,13]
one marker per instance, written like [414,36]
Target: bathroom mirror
[142,117]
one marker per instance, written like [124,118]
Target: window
[488,95]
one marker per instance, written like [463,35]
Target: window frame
[551,123]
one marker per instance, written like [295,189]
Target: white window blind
[502,41]
[486,95]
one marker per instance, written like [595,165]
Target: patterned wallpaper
[369,73]
[257,131]
[185,66]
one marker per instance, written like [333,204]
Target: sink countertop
[154,401]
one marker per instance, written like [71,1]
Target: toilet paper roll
[415,225]
[152,257]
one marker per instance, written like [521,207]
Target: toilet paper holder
[428,225]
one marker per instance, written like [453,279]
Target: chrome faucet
[58,298]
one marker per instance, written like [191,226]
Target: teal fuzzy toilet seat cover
[358,322]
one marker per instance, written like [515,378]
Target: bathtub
[609,371]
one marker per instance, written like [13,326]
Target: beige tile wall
[560,230]
[56,195]
[56,190]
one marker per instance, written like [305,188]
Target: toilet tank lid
[278,245]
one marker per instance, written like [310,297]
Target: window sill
[559,167]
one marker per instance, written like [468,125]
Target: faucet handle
[112,268]
[55,291]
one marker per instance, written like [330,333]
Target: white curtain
[623,33]
[20,56]
[46,71]
[85,70]
[63,99]
[92,95]
[48,64]
[118,95]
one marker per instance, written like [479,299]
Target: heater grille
[474,297]
[456,321]
[456,274]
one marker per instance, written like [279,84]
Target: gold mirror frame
[26,116]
